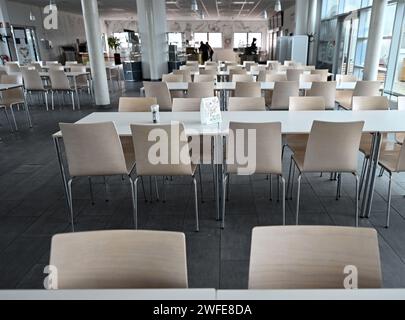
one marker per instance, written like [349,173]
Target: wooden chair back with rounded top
[93,149]
[135,104]
[59,80]
[12,67]
[172,78]
[242,78]
[328,150]
[268,146]
[185,73]
[32,80]
[346,78]
[204,78]
[325,89]
[186,105]
[205,71]
[294,74]
[276,77]
[124,259]
[160,91]
[282,92]
[201,90]
[176,145]
[307,104]
[323,72]
[370,103]
[209,68]
[302,257]
[367,89]
[246,104]
[310,77]
[248,90]
[12,96]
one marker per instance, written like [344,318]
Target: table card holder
[210,111]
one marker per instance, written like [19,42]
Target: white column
[96,52]
[152,26]
[314,19]
[4,18]
[375,38]
[301,17]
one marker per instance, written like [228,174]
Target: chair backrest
[48,63]
[32,80]
[76,68]
[186,105]
[258,68]
[302,257]
[242,78]
[135,104]
[274,66]
[56,67]
[201,89]
[282,92]
[36,65]
[236,71]
[367,89]
[12,67]
[206,71]
[323,72]
[294,74]
[70,63]
[59,80]
[310,77]
[333,147]
[124,259]
[12,95]
[276,77]
[172,78]
[370,103]
[93,149]
[204,77]
[185,73]
[191,68]
[248,89]
[346,78]
[211,63]
[267,146]
[160,91]
[168,143]
[306,103]
[246,104]
[325,89]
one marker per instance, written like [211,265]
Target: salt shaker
[155,113]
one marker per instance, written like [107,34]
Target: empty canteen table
[376,123]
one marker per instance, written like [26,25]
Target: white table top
[231,86]
[292,122]
[69,74]
[363,294]
[9,86]
[141,294]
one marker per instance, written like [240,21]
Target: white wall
[227,28]
[70,28]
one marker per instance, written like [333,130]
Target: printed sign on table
[210,111]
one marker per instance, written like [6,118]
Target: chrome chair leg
[201,184]
[196,204]
[389,200]
[27,112]
[70,201]
[298,200]
[381,172]
[8,120]
[13,116]
[289,179]
[134,190]
[362,176]
[157,190]
[73,100]
[46,100]
[52,100]
[357,200]
[225,183]
[292,181]
[144,190]
[283,199]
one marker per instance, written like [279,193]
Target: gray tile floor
[32,209]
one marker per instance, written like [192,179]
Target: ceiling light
[277,7]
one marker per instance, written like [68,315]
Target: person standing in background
[210,51]
[204,52]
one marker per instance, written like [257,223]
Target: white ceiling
[176,9]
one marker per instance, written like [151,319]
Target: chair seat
[8,103]
[297,142]
[389,160]
[344,98]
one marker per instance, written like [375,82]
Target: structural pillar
[314,19]
[152,26]
[375,38]
[96,52]
[301,17]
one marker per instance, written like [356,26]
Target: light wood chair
[185,73]
[267,158]
[326,90]
[329,151]
[186,105]
[33,84]
[201,90]
[313,257]
[322,72]
[294,74]
[248,90]
[160,91]
[60,85]
[246,104]
[362,89]
[282,92]
[121,259]
[94,150]
[310,77]
[205,77]
[242,78]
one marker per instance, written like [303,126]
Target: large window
[214,39]
[175,38]
[244,39]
